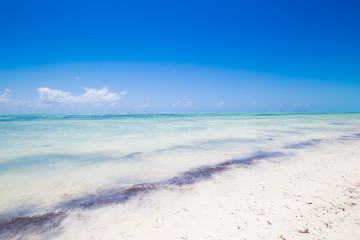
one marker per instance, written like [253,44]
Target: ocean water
[64,163]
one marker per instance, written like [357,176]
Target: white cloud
[91,95]
[219,104]
[15,103]
[178,103]
[188,103]
[142,106]
[5,96]
[77,78]
[300,104]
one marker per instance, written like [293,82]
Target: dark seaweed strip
[306,144]
[30,224]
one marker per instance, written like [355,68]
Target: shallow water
[58,162]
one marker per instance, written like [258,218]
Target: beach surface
[313,195]
[195,176]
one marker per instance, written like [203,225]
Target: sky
[179,56]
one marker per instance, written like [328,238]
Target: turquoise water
[47,159]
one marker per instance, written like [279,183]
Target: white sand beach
[280,176]
[311,195]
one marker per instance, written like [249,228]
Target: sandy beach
[293,178]
[311,195]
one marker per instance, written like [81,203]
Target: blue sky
[179,56]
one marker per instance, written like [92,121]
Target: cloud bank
[219,104]
[4,97]
[91,95]
[178,103]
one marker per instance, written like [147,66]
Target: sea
[52,165]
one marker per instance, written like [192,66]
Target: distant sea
[64,162]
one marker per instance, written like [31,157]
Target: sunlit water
[48,159]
